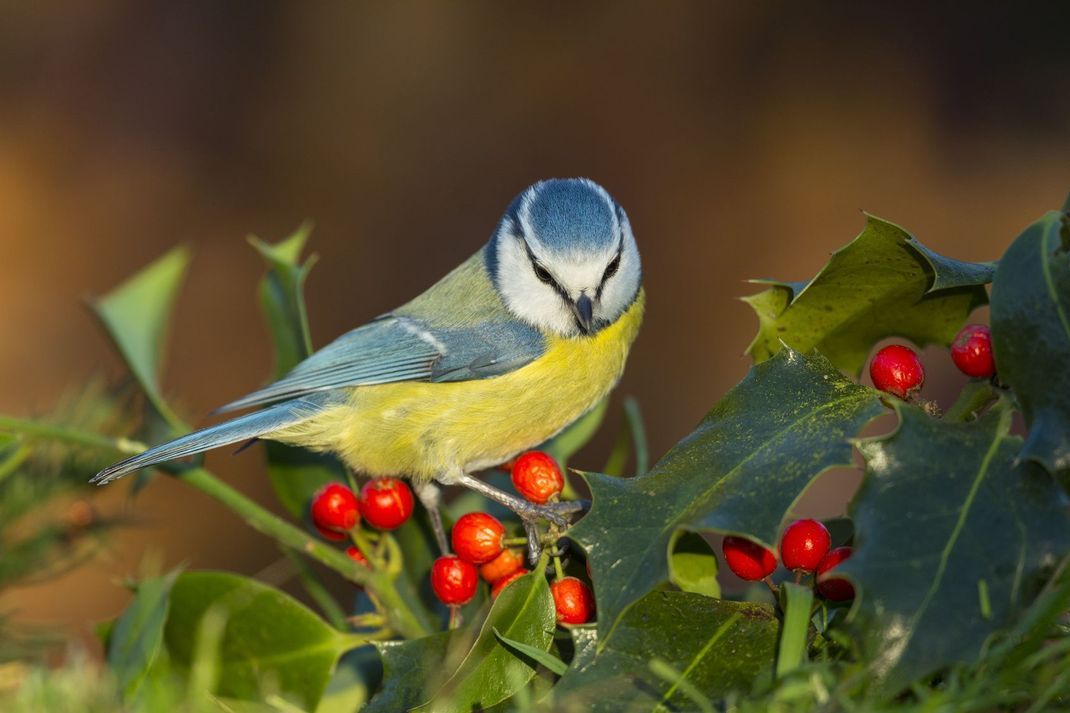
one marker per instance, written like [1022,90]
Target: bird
[504,352]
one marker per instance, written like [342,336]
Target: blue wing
[400,348]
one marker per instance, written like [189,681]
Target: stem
[974,397]
[400,616]
[794,628]
[403,618]
[316,590]
[559,572]
[123,446]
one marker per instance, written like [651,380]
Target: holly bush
[959,532]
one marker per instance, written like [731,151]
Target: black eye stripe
[543,275]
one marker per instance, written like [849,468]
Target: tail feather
[243,428]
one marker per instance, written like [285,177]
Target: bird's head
[564,259]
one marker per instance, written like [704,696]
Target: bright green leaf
[1031,335]
[878,285]
[942,507]
[717,646]
[269,642]
[795,629]
[136,315]
[693,565]
[544,658]
[490,672]
[135,640]
[739,472]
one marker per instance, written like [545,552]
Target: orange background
[742,138]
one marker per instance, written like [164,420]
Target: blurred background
[742,138]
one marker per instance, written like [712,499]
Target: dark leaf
[950,538]
[879,285]
[748,461]
[412,671]
[1031,335]
[717,646]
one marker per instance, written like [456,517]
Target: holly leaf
[136,315]
[789,420]
[490,671]
[136,639]
[1031,335]
[412,671]
[718,646]
[951,535]
[269,641]
[882,284]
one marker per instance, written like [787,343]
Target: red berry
[831,587]
[453,580]
[537,477]
[897,370]
[506,581]
[972,351]
[356,555]
[748,560]
[503,565]
[386,503]
[803,545]
[477,537]
[573,600]
[330,534]
[334,507]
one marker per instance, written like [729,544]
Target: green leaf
[631,437]
[949,273]
[136,315]
[1031,335]
[693,565]
[490,672]
[882,284]
[412,671]
[282,297]
[544,658]
[739,472]
[295,473]
[943,513]
[269,642]
[717,646]
[135,640]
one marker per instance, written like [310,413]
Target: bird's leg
[431,497]
[529,513]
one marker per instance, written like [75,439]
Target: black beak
[584,312]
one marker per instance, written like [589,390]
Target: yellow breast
[428,430]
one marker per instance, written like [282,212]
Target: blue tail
[243,428]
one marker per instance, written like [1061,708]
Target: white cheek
[619,291]
[525,295]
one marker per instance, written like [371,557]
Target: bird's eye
[611,268]
[541,273]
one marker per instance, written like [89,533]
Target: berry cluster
[897,370]
[804,549]
[337,512]
[481,548]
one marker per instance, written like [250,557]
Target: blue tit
[501,354]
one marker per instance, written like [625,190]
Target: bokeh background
[742,138]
